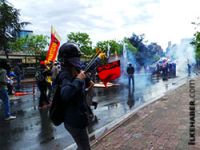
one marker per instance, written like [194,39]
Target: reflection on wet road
[32,128]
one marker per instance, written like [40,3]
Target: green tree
[33,44]
[9,25]
[112,44]
[103,45]
[83,41]
[196,40]
[130,46]
[196,44]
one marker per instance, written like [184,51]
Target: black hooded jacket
[73,98]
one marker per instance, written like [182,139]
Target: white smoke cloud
[183,53]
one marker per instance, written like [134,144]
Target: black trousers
[131,78]
[43,93]
[80,136]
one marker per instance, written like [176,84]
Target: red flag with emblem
[109,72]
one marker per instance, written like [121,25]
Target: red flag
[108,72]
[53,47]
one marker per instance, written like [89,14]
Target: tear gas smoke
[140,77]
[182,54]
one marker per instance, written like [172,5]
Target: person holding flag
[72,82]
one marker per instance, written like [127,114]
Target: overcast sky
[160,20]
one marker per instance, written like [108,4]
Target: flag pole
[92,61]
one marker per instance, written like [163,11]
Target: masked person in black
[72,82]
[130,71]
[42,83]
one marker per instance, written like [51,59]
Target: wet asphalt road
[33,131]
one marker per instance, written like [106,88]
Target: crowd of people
[76,89]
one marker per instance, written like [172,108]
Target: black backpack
[56,112]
